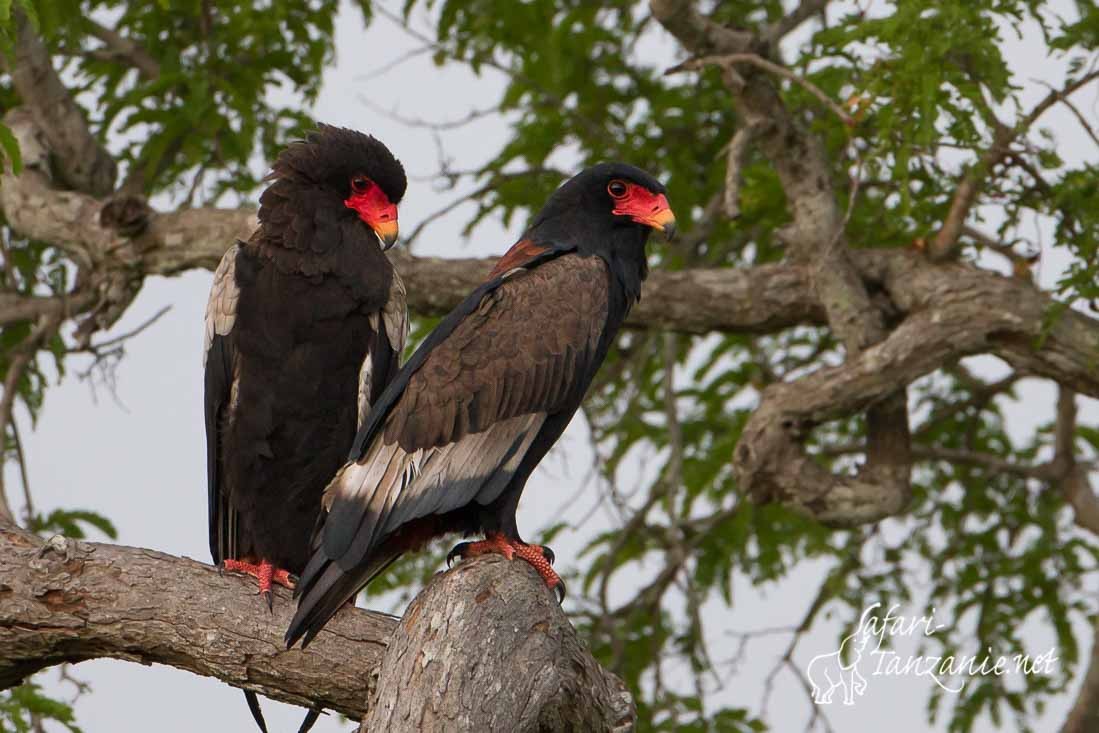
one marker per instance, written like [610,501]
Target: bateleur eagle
[451,442]
[304,329]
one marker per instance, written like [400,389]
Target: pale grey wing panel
[392,324]
[389,487]
[221,308]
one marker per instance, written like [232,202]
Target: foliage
[930,87]
[24,708]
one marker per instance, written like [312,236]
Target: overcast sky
[140,460]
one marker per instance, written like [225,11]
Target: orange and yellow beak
[385,226]
[648,208]
[662,219]
[376,211]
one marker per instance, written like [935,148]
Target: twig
[20,456]
[730,60]
[20,358]
[116,340]
[805,10]
[120,47]
[1063,99]
[472,116]
[387,67]
[943,245]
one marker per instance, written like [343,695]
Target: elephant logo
[827,672]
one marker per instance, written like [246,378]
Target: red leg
[265,573]
[540,558]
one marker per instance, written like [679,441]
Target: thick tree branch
[815,236]
[83,163]
[480,631]
[970,315]
[67,601]
[71,601]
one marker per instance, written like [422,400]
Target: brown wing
[517,353]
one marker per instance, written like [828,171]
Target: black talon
[457,551]
[559,590]
[270,598]
[548,554]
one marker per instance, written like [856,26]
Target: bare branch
[789,22]
[19,359]
[985,314]
[943,246]
[15,307]
[120,47]
[730,60]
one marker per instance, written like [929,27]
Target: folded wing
[452,429]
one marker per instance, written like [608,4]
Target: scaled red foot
[265,573]
[539,557]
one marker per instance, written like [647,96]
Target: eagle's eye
[616,188]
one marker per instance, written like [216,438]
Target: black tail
[257,714]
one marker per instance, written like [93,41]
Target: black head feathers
[584,212]
[330,156]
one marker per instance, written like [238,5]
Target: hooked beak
[650,209]
[386,231]
[661,218]
[665,222]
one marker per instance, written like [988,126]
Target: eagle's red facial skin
[375,209]
[645,207]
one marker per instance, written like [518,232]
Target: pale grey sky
[142,463]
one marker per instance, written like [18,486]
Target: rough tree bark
[68,601]
[480,650]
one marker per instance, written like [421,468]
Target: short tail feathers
[257,713]
[327,588]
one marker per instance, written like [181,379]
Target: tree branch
[803,12]
[974,314]
[816,235]
[731,60]
[943,246]
[1084,715]
[69,601]
[492,628]
[130,51]
[66,601]
[84,164]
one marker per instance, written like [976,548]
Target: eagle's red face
[642,206]
[374,208]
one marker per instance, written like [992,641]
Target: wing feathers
[456,425]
